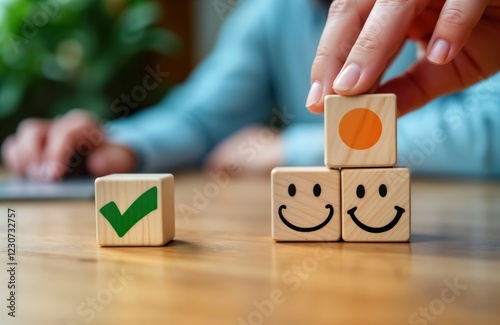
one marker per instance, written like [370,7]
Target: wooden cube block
[305,204]
[135,209]
[360,131]
[376,205]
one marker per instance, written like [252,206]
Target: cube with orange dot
[360,131]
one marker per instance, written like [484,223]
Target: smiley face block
[306,204]
[135,209]
[376,205]
[360,131]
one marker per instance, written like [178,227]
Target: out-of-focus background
[56,55]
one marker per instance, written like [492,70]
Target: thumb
[111,158]
[424,82]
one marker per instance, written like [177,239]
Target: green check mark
[142,206]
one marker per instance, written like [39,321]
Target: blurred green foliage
[56,55]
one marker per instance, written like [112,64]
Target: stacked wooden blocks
[135,209]
[359,196]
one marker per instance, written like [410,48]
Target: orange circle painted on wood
[360,128]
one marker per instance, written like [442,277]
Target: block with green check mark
[135,209]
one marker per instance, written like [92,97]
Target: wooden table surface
[224,268]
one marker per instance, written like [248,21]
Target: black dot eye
[382,190]
[360,191]
[317,190]
[292,190]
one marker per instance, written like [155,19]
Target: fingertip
[315,94]
[347,80]
[317,108]
[438,52]
[50,171]
[457,20]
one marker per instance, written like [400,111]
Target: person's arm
[304,144]
[229,90]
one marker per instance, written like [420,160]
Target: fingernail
[348,78]
[314,93]
[439,51]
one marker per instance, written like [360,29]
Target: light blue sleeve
[455,135]
[304,144]
[230,89]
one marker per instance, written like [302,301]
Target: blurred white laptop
[68,189]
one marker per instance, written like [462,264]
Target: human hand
[252,150]
[47,150]
[460,39]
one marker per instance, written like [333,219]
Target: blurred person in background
[242,109]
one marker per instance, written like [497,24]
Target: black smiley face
[292,190]
[382,190]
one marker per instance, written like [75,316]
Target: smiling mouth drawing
[307,229]
[377,230]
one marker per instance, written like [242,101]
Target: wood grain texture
[306,204]
[223,261]
[154,229]
[381,154]
[376,205]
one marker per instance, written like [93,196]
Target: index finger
[344,23]
[383,34]
[75,133]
